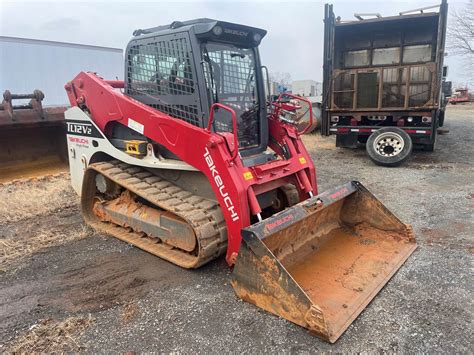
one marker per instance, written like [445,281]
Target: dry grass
[315,140]
[52,336]
[32,198]
[15,248]
[29,203]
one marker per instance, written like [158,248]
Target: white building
[306,88]
[274,88]
[29,64]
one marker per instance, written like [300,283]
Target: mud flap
[319,263]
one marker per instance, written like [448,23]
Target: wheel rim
[389,144]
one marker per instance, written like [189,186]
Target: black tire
[389,146]
[441,118]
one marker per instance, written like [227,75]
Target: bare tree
[461,35]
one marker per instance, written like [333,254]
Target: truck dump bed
[385,66]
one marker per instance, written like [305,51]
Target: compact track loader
[187,160]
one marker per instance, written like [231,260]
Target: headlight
[217,30]
[257,37]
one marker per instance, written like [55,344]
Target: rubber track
[203,215]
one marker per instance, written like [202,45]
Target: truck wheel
[389,146]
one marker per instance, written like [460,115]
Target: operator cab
[185,67]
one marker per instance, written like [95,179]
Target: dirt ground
[64,287]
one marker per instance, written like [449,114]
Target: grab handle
[234,125]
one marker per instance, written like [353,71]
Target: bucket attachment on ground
[33,137]
[319,263]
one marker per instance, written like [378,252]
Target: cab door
[161,73]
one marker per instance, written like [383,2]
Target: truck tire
[389,146]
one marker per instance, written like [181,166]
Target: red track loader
[187,160]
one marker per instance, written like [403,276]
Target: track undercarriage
[153,214]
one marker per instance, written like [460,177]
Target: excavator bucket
[319,263]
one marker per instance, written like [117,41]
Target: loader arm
[235,186]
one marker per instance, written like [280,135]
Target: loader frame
[235,186]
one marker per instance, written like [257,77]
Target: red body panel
[462,95]
[234,185]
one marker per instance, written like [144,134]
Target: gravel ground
[141,303]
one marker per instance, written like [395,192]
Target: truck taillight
[426,119]
[401,123]
[335,119]
[353,122]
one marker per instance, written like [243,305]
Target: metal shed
[29,64]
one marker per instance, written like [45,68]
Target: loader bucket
[33,137]
[319,263]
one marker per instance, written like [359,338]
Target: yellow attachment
[248,175]
[135,147]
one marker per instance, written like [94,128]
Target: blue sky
[293,44]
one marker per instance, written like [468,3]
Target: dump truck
[187,159]
[382,83]
[32,137]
